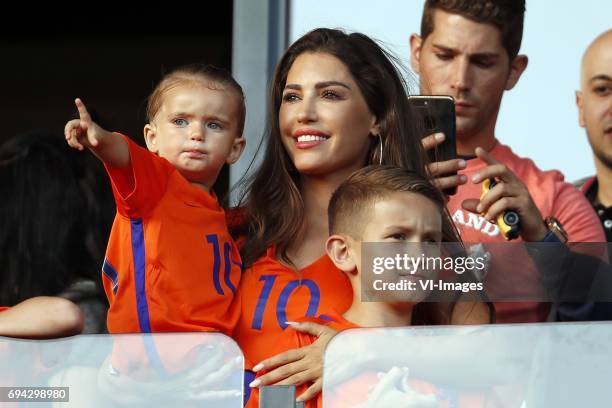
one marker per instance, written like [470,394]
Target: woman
[337,104]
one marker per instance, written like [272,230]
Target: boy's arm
[42,317]
[82,133]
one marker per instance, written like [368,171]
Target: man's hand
[84,132]
[298,366]
[508,194]
[440,171]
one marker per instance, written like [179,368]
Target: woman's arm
[42,318]
[298,366]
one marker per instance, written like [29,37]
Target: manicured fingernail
[479,208]
[462,164]
[463,179]
[476,178]
[258,367]
[440,136]
[254,383]
[292,323]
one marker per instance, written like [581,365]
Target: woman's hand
[298,366]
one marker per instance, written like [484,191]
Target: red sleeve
[577,216]
[138,186]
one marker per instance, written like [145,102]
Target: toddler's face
[196,129]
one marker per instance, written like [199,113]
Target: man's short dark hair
[506,15]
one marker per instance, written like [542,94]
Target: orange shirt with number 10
[170,265]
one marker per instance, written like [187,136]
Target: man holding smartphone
[468,49]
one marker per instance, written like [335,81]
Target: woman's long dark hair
[273,206]
[55,216]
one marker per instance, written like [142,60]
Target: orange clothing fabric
[552,195]
[271,293]
[355,391]
[295,339]
[170,265]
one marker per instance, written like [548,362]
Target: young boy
[171,265]
[380,204]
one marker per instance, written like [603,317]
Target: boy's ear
[337,249]
[150,138]
[237,149]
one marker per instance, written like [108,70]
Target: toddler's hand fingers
[83,113]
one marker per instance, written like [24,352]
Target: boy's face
[196,129]
[403,217]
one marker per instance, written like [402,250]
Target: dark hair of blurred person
[55,214]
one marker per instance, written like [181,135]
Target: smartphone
[433,114]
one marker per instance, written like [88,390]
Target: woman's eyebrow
[319,85]
[325,84]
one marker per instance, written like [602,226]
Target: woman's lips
[308,138]
[308,141]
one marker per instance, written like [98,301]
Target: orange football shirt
[170,265]
[355,391]
[272,293]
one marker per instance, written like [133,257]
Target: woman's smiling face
[324,121]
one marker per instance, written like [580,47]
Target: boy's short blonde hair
[351,204]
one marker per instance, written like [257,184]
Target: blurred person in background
[55,213]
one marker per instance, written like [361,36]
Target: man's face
[595,98]
[466,60]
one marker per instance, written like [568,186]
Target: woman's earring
[381,150]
